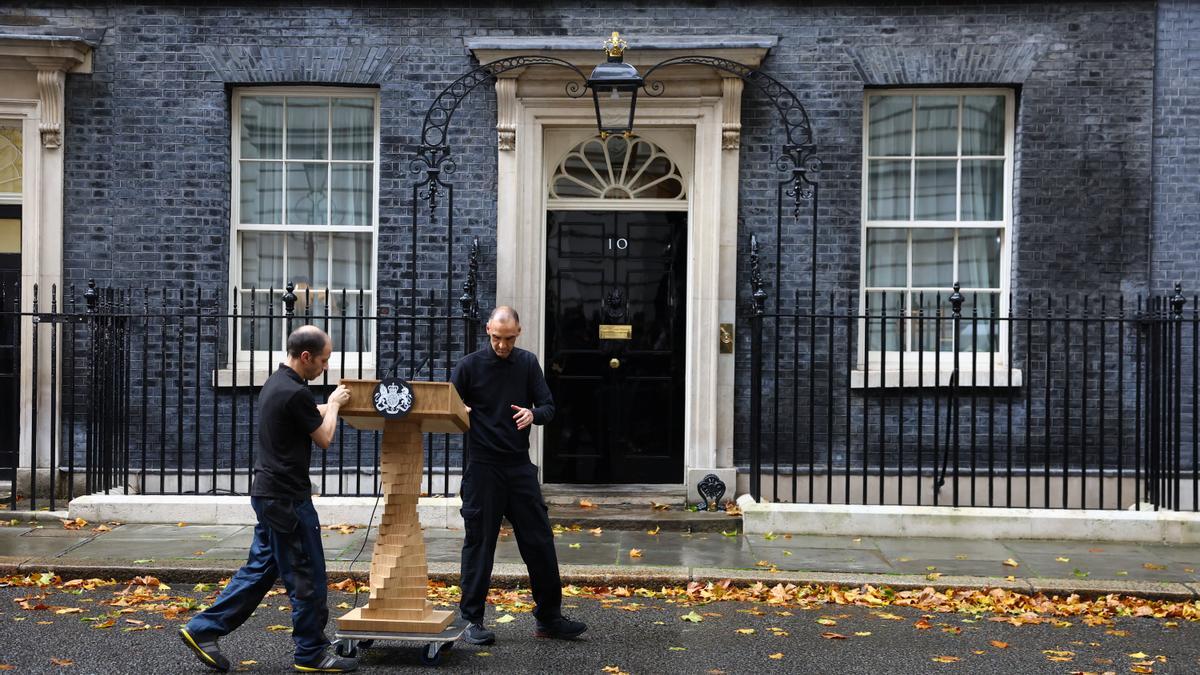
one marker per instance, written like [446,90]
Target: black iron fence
[155,391]
[970,399]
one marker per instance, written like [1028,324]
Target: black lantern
[614,86]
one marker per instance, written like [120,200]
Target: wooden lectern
[399,574]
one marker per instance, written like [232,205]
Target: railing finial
[756,281]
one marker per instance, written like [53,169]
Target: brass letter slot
[611,331]
[726,338]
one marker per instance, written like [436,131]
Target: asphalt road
[652,638]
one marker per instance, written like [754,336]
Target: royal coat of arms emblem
[393,398]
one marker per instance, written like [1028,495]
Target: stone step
[635,517]
[638,494]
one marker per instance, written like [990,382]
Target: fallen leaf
[946,659]
[863,633]
[692,616]
[62,662]
[730,534]
[1012,563]
[1152,566]
[69,610]
[1117,633]
[278,627]
[249,662]
[922,625]
[507,618]
[998,644]
[777,656]
[658,506]
[745,631]
[827,622]
[770,536]
[1138,655]
[1140,669]
[1062,560]
[654,531]
[834,636]
[586,504]
[576,545]
[144,561]
[101,528]
[483,653]
[677,649]
[181,524]
[596,531]
[635,553]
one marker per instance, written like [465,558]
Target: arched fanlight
[614,86]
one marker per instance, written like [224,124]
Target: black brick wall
[147,134]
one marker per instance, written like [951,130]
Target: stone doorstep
[436,512]
[1166,527]
[635,517]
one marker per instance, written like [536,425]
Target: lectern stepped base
[432,623]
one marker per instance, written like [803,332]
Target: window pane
[347,331]
[306,193]
[937,125]
[936,187]
[933,257]
[351,194]
[891,125]
[262,259]
[352,260]
[353,128]
[888,198]
[262,127]
[932,329]
[887,256]
[307,128]
[308,260]
[976,330]
[983,125]
[262,193]
[883,312]
[983,189]
[979,258]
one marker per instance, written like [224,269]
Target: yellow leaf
[69,610]
[483,653]
[777,656]
[834,636]
[635,553]
[1152,566]
[677,649]
[864,633]
[889,616]
[1117,633]
[1012,563]
[278,627]
[574,545]
[998,644]
[505,619]
[654,531]
[826,622]
[946,659]
[1062,560]
[1138,655]
[692,616]
[745,631]
[657,506]
[249,662]
[596,531]
[1140,669]
[62,662]
[586,504]
[180,524]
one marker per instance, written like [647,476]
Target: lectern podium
[399,574]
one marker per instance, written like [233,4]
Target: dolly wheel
[432,654]
[346,648]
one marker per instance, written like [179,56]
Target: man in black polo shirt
[287,538]
[505,392]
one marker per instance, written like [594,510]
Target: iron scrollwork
[433,156]
[711,489]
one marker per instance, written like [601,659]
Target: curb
[510,575]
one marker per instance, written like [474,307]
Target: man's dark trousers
[490,492]
[297,557]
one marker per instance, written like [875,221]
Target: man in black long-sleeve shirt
[505,393]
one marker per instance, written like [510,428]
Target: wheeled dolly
[350,644]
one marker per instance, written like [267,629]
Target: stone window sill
[914,378]
[225,378]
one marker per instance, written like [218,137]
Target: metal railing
[155,391]
[1048,403]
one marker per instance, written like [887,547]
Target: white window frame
[264,360]
[911,368]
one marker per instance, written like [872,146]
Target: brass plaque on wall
[613,331]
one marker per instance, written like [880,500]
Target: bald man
[505,393]
[287,538]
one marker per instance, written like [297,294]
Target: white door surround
[702,100]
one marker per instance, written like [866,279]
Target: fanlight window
[617,168]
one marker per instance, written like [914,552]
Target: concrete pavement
[38,541]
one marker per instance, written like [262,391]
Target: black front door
[10,339]
[615,313]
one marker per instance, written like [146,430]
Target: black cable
[350,567]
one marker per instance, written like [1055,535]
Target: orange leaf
[922,625]
[777,656]
[635,553]
[946,659]
[586,504]
[998,644]
[62,662]
[1152,566]
[833,636]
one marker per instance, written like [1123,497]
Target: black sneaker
[476,634]
[205,648]
[328,663]
[561,628]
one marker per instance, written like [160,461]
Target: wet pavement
[1148,569]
